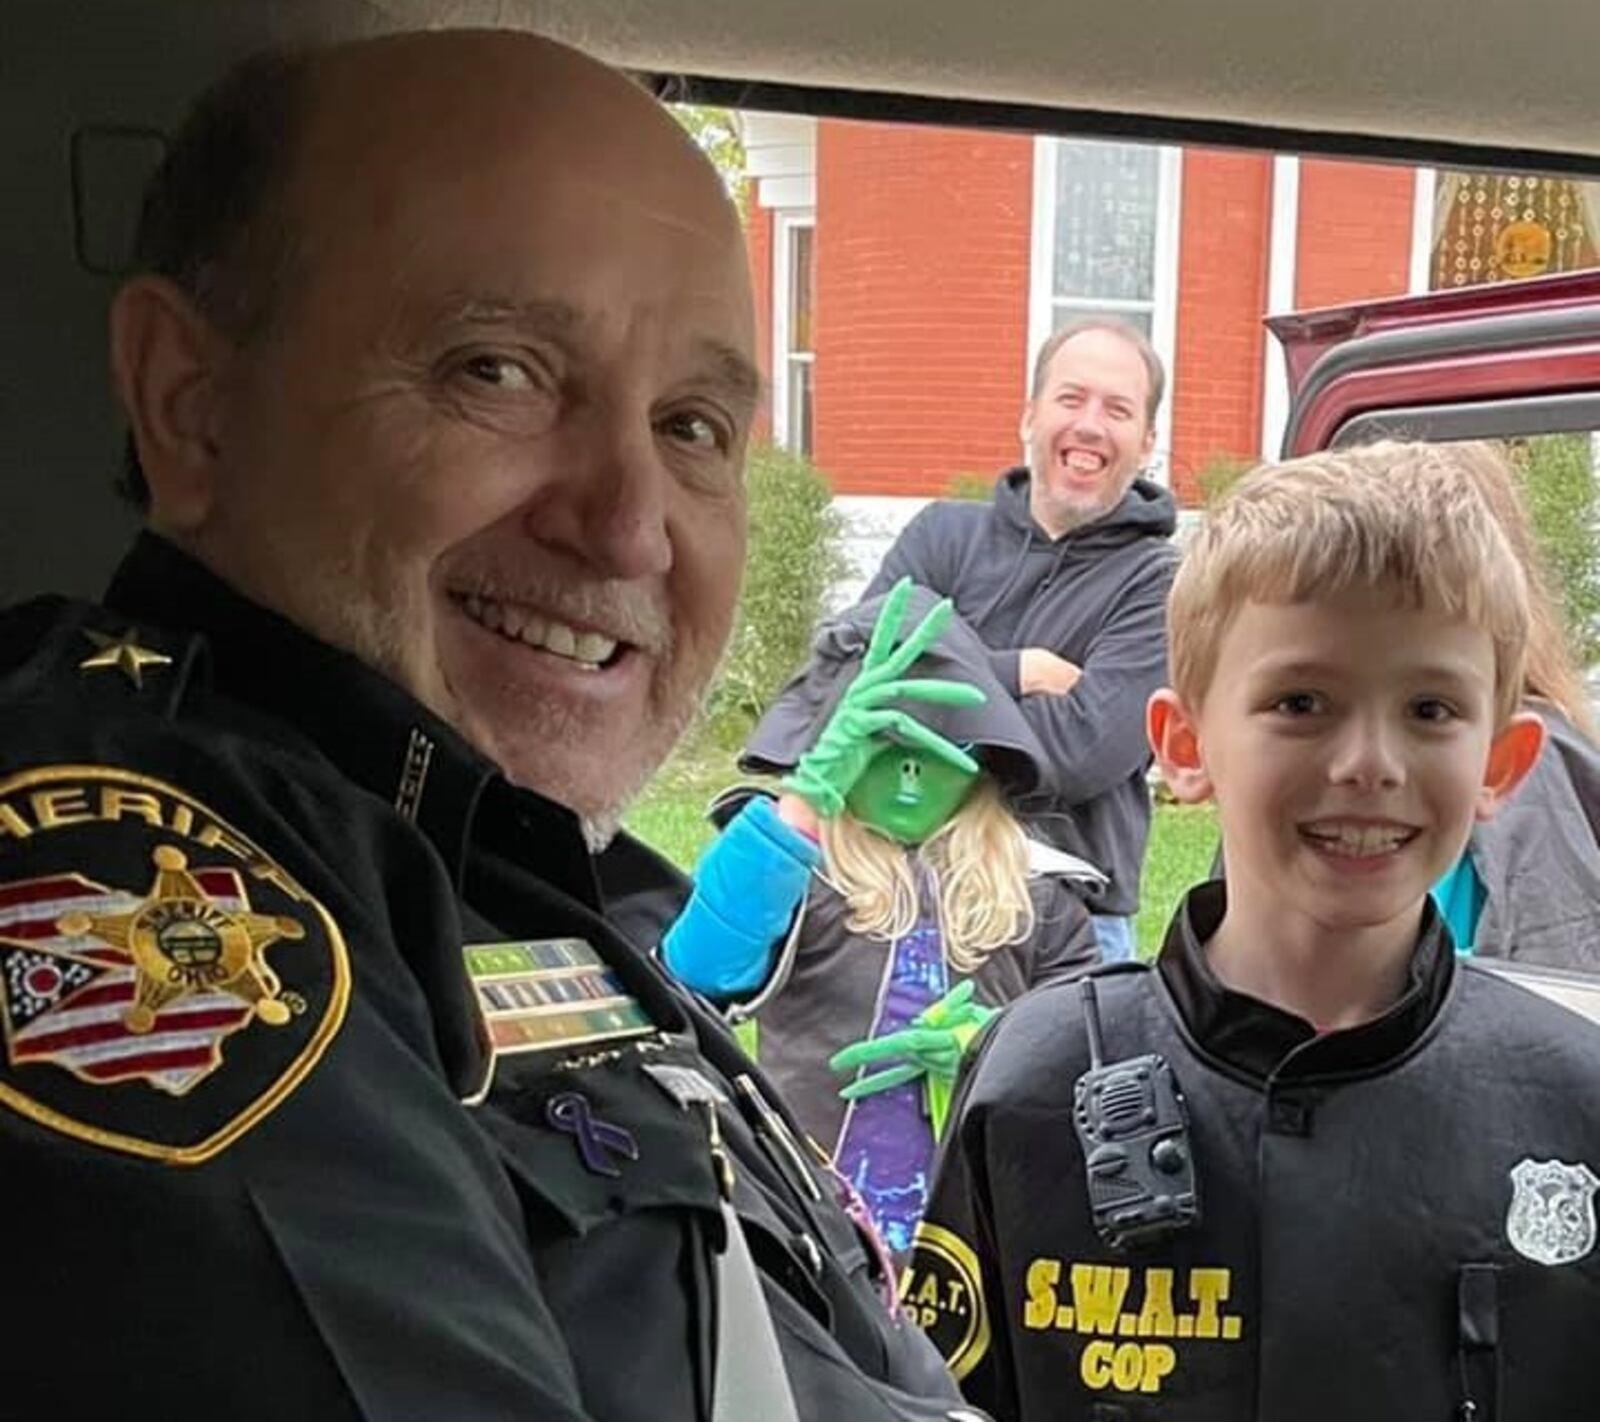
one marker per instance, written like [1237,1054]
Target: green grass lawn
[671,816]
[1183,841]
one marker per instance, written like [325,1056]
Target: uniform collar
[373,730]
[1264,1040]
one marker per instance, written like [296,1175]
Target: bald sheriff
[331,1088]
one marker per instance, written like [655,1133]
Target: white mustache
[621,610]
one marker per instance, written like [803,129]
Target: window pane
[1136,317]
[1508,226]
[1105,221]
[801,286]
[799,430]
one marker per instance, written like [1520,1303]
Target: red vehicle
[1510,360]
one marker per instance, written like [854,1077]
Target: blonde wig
[979,860]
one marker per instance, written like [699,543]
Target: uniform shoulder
[163,923]
[79,678]
[1038,1045]
[105,719]
[1543,1050]
[1522,1019]
[66,654]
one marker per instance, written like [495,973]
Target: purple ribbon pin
[569,1111]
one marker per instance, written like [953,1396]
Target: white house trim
[783,227]
[1424,194]
[781,157]
[1282,262]
[1041,252]
[1164,320]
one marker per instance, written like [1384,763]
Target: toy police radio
[1135,1136]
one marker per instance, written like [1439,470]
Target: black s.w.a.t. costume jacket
[1397,1221]
[243,1172]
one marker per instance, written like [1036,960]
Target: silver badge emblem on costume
[1551,1220]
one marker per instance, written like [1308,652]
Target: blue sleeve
[1460,897]
[747,887]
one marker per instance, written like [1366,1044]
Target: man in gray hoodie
[1065,575]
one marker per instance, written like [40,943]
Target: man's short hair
[1129,332]
[213,218]
[1405,521]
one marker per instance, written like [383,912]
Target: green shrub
[720,134]
[794,558]
[1558,484]
[976,488]
[1220,473]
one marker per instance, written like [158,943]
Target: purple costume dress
[886,1145]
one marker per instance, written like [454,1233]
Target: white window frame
[784,226]
[1423,195]
[1164,289]
[1283,256]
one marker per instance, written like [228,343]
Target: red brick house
[906,274]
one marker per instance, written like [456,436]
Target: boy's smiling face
[1349,746]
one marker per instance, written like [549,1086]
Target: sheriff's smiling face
[495,445]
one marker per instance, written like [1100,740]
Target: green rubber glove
[935,1042]
[824,775]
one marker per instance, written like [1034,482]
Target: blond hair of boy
[1346,651]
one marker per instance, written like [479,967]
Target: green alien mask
[907,794]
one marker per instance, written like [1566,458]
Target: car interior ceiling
[90,87]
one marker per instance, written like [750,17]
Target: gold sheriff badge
[182,943]
[140,1013]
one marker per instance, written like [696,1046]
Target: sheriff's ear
[1512,755]
[1176,742]
[167,361]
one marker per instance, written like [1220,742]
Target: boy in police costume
[1309,1165]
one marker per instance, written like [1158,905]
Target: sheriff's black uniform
[1397,1220]
[244,1180]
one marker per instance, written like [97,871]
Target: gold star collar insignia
[123,653]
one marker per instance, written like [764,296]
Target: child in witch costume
[870,918]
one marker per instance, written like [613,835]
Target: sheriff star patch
[164,985]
